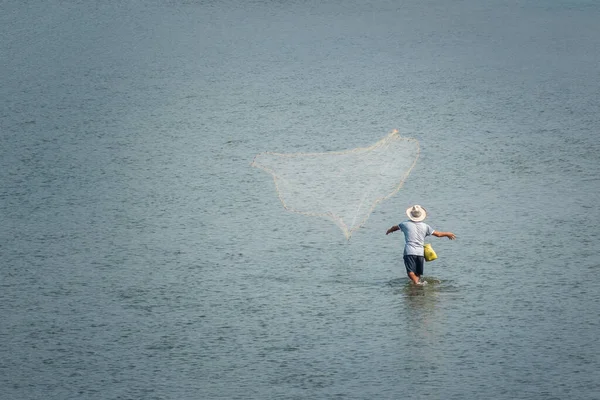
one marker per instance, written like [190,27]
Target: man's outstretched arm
[393,229]
[449,235]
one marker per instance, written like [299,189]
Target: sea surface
[142,257]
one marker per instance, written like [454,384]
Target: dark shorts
[414,264]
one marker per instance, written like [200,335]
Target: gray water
[141,257]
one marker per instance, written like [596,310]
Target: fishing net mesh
[343,186]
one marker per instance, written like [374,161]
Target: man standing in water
[415,231]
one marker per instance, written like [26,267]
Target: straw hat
[416,213]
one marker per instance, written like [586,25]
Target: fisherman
[415,231]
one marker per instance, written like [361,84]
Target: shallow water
[143,258]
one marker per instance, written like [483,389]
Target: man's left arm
[392,229]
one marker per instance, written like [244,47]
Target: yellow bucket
[429,253]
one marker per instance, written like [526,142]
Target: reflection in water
[420,296]
[421,300]
[421,309]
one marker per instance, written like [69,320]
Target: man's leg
[410,262]
[413,277]
[420,266]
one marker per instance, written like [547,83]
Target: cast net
[343,186]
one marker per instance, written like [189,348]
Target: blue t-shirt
[414,235]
